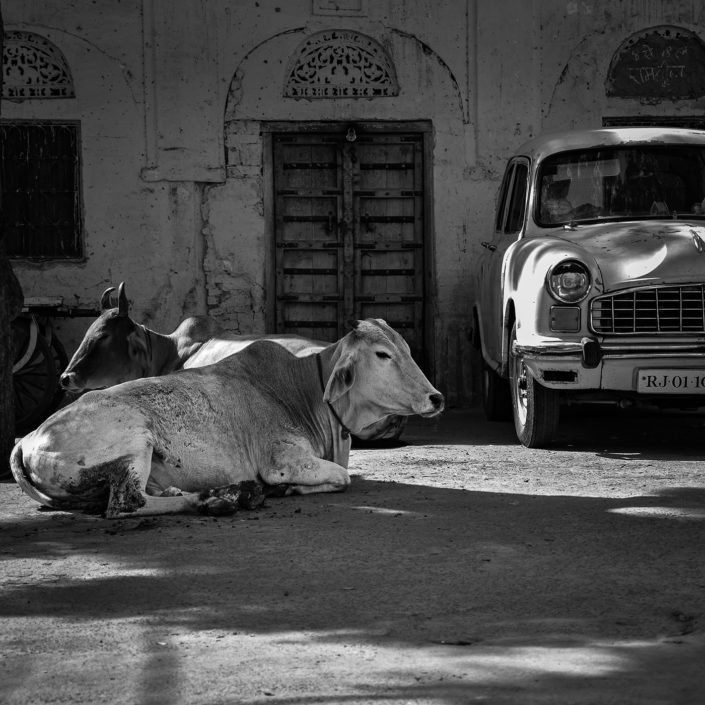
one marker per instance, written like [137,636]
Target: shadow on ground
[607,431]
[447,596]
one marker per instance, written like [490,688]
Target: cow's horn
[105,299]
[123,305]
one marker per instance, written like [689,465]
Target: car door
[509,224]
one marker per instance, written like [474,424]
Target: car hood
[646,252]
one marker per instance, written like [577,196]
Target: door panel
[310,219]
[349,220]
[312,166]
[386,219]
[310,318]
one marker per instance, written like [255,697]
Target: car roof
[550,143]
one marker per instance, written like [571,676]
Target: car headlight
[568,281]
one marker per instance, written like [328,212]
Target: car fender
[526,265]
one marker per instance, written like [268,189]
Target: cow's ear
[137,345]
[341,379]
[105,299]
[123,305]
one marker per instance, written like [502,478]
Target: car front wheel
[535,407]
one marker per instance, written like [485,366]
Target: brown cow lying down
[116,349]
[261,416]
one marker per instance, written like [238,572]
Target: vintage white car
[592,286]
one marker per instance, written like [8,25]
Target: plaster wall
[238,244]
[172,98]
[578,40]
[136,231]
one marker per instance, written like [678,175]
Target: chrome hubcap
[520,387]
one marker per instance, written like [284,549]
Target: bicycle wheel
[61,360]
[34,386]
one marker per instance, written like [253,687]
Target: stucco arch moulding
[240,106]
[88,64]
[428,51]
[340,63]
[239,236]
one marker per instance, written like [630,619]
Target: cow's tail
[22,478]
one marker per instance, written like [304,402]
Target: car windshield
[641,181]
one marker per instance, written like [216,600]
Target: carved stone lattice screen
[34,68]
[340,63]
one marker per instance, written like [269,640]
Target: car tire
[496,397]
[535,407]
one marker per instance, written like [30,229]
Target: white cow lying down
[261,415]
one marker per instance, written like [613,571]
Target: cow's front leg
[297,467]
[174,504]
[318,475]
[219,501]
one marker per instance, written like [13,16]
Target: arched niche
[238,235]
[340,63]
[658,63]
[34,68]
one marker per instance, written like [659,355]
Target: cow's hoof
[220,501]
[251,494]
[172,492]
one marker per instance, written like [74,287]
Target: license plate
[671,381]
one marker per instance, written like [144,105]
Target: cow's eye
[383,355]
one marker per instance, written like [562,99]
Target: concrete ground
[459,568]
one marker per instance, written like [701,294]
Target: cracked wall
[578,41]
[171,106]
[239,244]
[146,233]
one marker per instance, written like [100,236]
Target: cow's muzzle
[435,403]
[69,382]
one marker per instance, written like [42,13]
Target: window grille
[41,189]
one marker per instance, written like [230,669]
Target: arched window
[33,67]
[658,63]
[40,167]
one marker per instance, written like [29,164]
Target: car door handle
[489,246]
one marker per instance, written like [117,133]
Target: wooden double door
[349,215]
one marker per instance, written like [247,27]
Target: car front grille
[655,309]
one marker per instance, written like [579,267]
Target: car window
[644,181]
[502,200]
[517,203]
